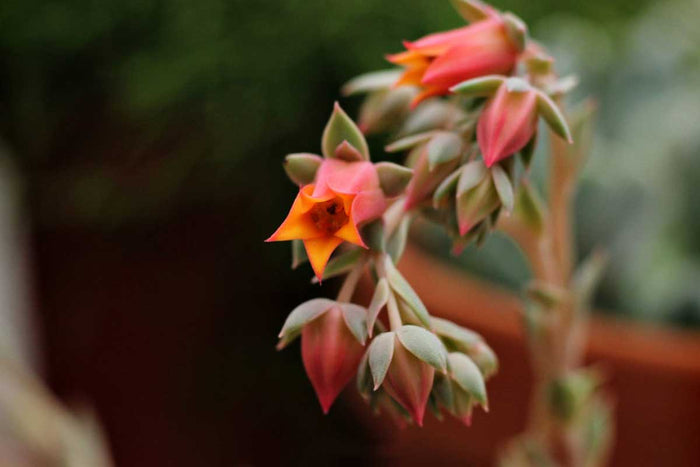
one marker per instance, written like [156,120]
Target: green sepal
[504,187]
[370,82]
[409,142]
[365,385]
[300,316]
[471,174]
[471,10]
[549,110]
[460,338]
[442,148]
[372,234]
[393,178]
[475,205]
[340,128]
[381,351]
[355,317]
[397,242]
[301,168]
[448,186]
[379,301]
[468,376]
[517,30]
[528,151]
[479,87]
[424,345]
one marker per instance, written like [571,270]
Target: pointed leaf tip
[340,128]
[393,178]
[553,116]
[381,351]
[301,168]
[424,345]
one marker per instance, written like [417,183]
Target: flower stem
[394,315]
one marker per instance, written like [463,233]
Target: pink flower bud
[507,123]
[331,355]
[439,61]
[409,381]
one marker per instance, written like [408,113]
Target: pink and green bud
[403,364]
[508,122]
[333,337]
[331,353]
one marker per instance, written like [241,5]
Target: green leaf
[404,290]
[424,345]
[341,128]
[447,186]
[503,186]
[586,279]
[474,206]
[393,178]
[301,168]
[298,253]
[370,82]
[355,317]
[409,142]
[381,351]
[528,151]
[379,300]
[470,176]
[553,116]
[443,147]
[468,376]
[478,87]
[300,316]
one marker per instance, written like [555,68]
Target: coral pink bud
[507,123]
[439,61]
[409,381]
[331,355]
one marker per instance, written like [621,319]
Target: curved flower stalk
[464,108]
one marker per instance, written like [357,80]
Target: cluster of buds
[406,360]
[464,105]
[471,152]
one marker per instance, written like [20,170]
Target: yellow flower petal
[319,251]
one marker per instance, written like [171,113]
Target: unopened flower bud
[331,354]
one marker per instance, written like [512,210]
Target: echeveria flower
[330,210]
[439,61]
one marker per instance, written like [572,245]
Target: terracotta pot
[654,379]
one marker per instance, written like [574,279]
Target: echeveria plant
[464,106]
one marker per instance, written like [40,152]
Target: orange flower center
[329,216]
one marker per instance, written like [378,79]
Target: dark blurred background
[146,139]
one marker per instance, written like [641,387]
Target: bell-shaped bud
[332,346]
[402,370]
[508,121]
